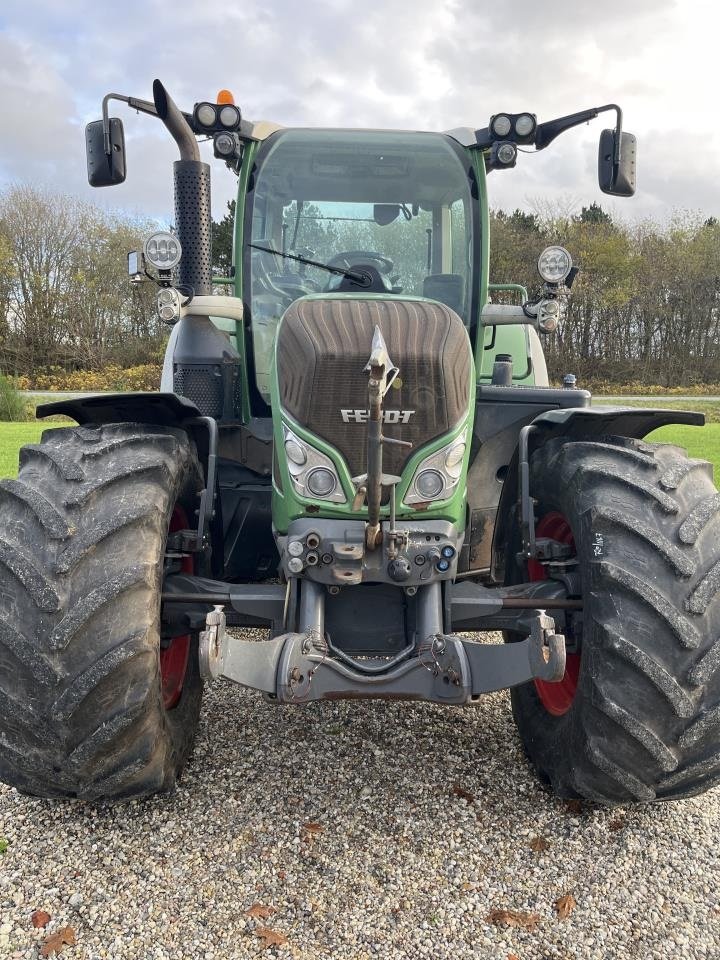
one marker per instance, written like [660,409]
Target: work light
[525,125]
[162,250]
[206,114]
[501,125]
[554,264]
[229,116]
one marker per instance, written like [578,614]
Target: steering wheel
[351,257]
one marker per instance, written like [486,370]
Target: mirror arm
[547,132]
[142,106]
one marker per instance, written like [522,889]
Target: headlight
[507,153]
[313,474]
[554,264]
[321,482]
[162,250]
[454,459]
[295,452]
[429,484]
[437,476]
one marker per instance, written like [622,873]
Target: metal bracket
[299,667]
[213,644]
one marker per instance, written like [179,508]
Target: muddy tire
[643,718]
[82,541]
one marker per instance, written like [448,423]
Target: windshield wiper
[360,278]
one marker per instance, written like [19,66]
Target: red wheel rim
[174,658]
[557,698]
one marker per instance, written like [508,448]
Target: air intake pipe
[193,219]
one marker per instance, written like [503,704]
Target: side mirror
[617,179]
[105,158]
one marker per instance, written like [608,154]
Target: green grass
[12,437]
[700,442]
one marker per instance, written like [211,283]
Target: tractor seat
[447,288]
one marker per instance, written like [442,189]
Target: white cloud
[433,64]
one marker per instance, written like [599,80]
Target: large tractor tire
[92,704]
[637,716]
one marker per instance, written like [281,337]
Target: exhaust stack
[193,219]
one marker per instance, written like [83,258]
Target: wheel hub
[557,698]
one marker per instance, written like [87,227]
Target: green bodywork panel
[287,504]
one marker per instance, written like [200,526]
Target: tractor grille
[322,349]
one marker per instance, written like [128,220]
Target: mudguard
[576,423]
[164,409]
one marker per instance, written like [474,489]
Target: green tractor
[359,453]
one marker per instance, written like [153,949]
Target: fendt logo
[389,416]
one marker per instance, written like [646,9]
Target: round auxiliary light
[429,484]
[525,124]
[448,552]
[442,565]
[454,459]
[224,144]
[229,116]
[162,250]
[206,114]
[554,264]
[321,482]
[295,452]
[506,153]
[501,125]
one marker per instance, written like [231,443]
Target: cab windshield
[377,212]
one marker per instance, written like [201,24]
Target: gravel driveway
[372,830]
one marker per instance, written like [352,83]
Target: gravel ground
[373,830]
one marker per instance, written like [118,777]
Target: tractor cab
[357,212]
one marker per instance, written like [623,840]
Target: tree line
[645,307]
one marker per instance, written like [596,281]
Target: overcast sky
[427,64]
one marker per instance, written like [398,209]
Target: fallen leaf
[617,824]
[260,912]
[56,941]
[467,886]
[40,918]
[270,937]
[282,874]
[514,918]
[574,807]
[513,956]
[464,794]
[312,829]
[539,844]
[565,906]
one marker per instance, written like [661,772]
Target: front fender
[163,409]
[577,423]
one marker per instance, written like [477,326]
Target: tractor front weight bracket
[300,667]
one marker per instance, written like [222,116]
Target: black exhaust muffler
[193,216]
